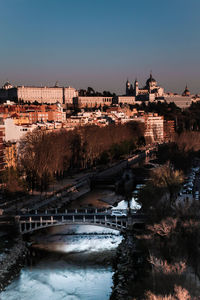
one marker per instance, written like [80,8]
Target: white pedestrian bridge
[30,221]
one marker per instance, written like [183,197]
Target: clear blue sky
[100,43]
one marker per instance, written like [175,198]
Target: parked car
[118,213]
[189,188]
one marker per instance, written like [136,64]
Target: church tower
[128,87]
[136,87]
[131,90]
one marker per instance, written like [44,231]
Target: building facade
[154,127]
[13,132]
[2,136]
[126,100]
[169,130]
[150,91]
[29,114]
[43,94]
[91,102]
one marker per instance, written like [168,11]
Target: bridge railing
[86,211]
[55,211]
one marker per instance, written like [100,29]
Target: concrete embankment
[110,174]
[12,261]
[66,195]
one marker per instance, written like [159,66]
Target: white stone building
[13,132]
[43,94]
[86,101]
[126,100]
[154,127]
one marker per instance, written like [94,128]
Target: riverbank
[130,268]
[11,262]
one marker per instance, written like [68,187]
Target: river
[77,261]
[76,265]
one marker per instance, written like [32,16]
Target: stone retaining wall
[11,262]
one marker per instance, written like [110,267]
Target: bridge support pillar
[46,212]
[73,219]
[95,210]
[94,219]
[66,211]
[83,218]
[51,219]
[36,211]
[129,223]
[75,211]
[62,219]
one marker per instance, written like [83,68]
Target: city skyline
[66,85]
[100,44]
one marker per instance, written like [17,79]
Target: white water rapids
[74,268]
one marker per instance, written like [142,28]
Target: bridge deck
[32,221]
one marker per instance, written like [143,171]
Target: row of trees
[44,155]
[160,193]
[182,151]
[92,93]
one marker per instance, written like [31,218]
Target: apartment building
[2,135]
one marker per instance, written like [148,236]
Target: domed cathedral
[151,83]
[186,92]
[150,92]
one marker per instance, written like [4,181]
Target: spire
[56,84]
[186,91]
[151,74]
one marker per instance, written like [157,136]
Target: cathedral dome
[150,80]
[186,92]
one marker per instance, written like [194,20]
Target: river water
[76,265]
